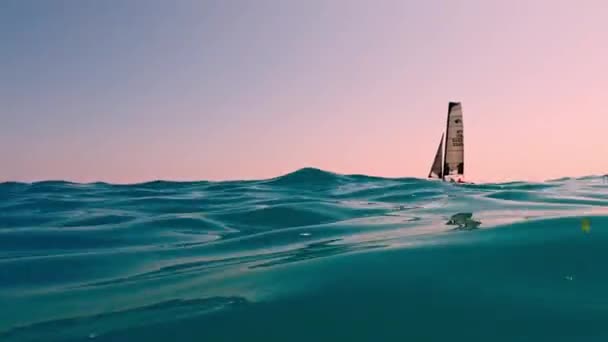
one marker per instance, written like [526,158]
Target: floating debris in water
[586,225]
[569,277]
[459,218]
[305,234]
[464,221]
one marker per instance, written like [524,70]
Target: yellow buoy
[586,225]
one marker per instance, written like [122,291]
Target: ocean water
[309,256]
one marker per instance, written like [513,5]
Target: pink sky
[237,91]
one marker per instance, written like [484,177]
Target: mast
[447,129]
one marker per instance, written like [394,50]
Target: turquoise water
[309,256]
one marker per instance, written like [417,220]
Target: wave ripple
[154,260]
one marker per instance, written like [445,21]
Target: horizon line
[3,182]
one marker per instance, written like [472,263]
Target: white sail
[436,167]
[454,143]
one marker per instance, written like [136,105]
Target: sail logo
[458,139]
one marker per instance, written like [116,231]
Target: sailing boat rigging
[437,167]
[452,168]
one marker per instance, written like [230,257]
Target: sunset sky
[137,90]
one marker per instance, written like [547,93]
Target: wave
[307,177]
[126,262]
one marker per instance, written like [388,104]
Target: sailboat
[448,164]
